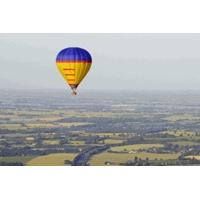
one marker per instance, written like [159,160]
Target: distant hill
[7,84]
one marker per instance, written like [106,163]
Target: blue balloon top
[74,54]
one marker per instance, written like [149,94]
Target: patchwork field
[185,143]
[181,133]
[12,127]
[51,142]
[77,142]
[55,159]
[22,159]
[99,128]
[113,141]
[135,147]
[175,118]
[193,157]
[117,158]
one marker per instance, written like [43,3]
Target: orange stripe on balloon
[85,62]
[70,80]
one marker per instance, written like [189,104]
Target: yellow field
[53,115]
[135,147]
[40,125]
[113,141]
[54,159]
[58,113]
[51,142]
[93,114]
[12,127]
[185,143]
[50,119]
[54,125]
[175,118]
[77,142]
[117,158]
[195,157]
[109,134]
[30,138]
[22,159]
[101,134]
[180,133]
[70,124]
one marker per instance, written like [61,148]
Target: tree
[136,159]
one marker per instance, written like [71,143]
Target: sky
[120,61]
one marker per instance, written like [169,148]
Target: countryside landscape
[99,128]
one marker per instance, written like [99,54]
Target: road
[83,158]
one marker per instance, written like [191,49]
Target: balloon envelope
[73,63]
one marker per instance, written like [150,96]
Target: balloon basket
[74,93]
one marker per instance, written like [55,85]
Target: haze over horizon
[120,61]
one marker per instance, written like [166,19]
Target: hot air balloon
[73,64]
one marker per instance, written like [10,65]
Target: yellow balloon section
[73,72]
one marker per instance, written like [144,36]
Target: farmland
[99,128]
[118,158]
[127,148]
[57,159]
[15,159]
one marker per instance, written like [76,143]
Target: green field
[117,158]
[175,118]
[54,159]
[51,142]
[54,125]
[185,143]
[22,159]
[113,141]
[135,147]
[77,142]
[12,127]
[193,157]
[43,132]
[181,133]
[30,138]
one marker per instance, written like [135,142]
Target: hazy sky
[120,61]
